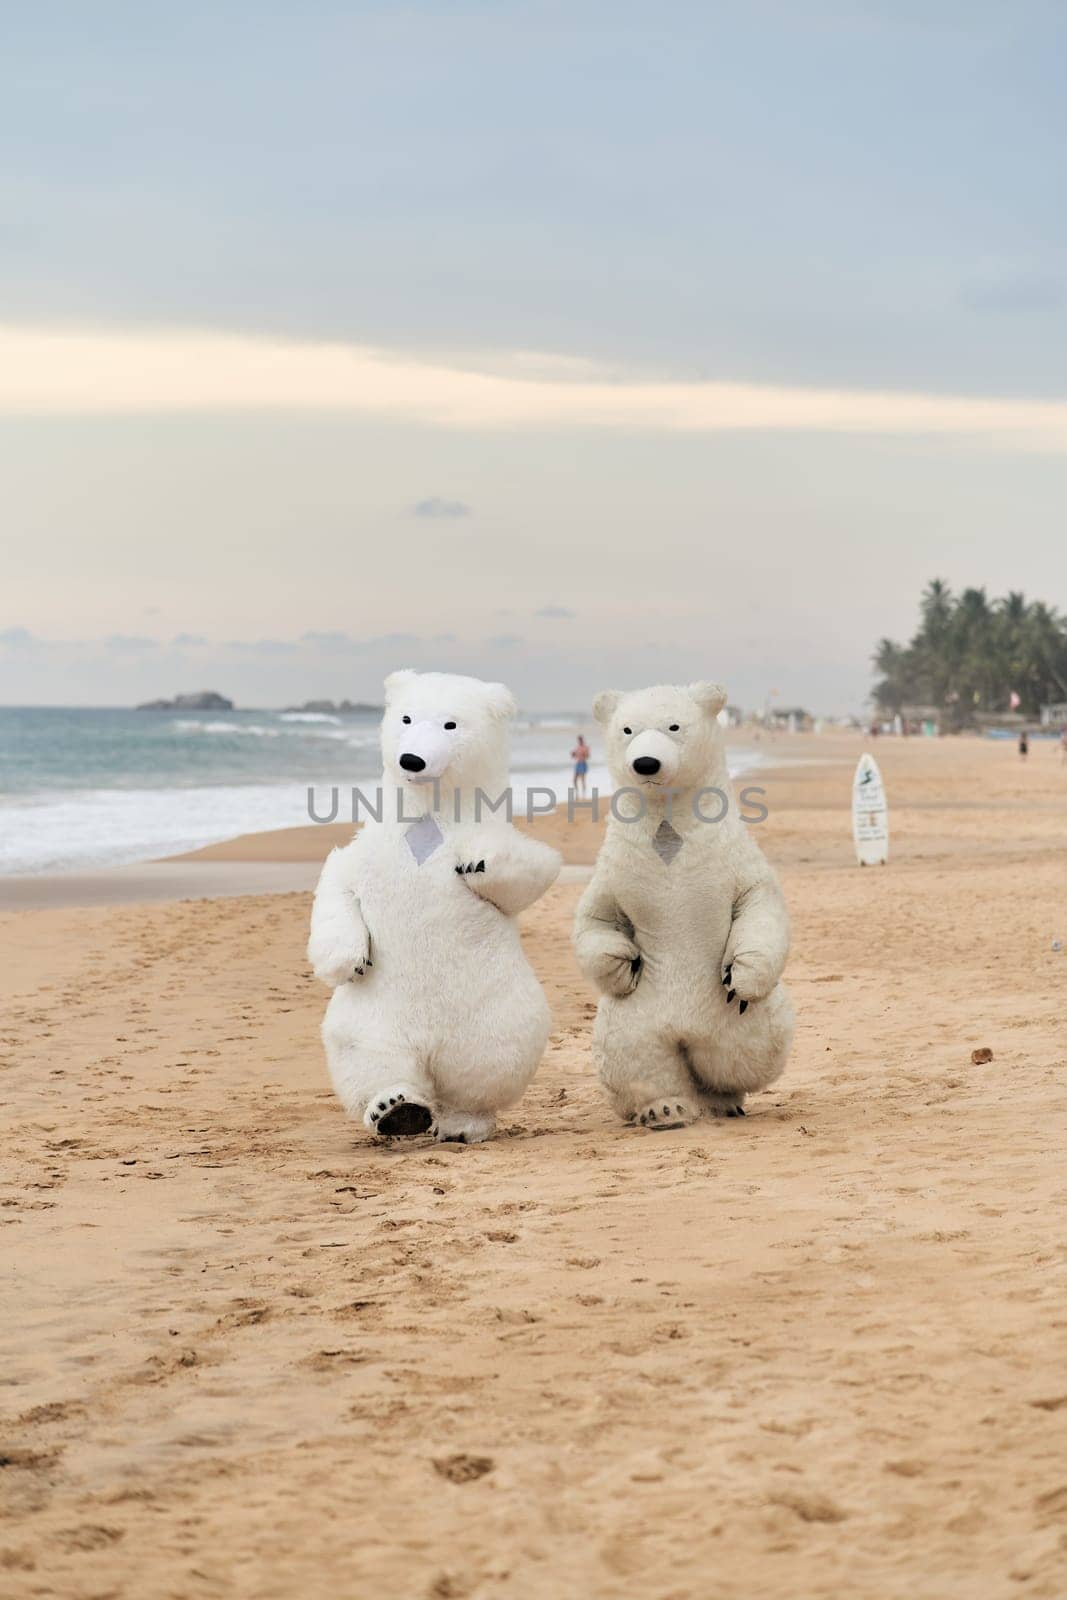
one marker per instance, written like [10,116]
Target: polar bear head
[667,737]
[443,729]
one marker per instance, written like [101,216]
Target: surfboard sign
[870,814]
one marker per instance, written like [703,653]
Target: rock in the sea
[205,700]
[328,708]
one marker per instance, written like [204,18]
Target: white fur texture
[433,998]
[656,937]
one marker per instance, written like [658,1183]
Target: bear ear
[710,697]
[605,705]
[397,680]
[502,702]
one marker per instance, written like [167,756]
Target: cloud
[48,372]
[505,641]
[435,506]
[18,638]
[554,611]
[189,641]
[130,643]
[334,643]
[262,647]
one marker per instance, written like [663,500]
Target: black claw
[741,1112]
[730,996]
[480,867]
[726,975]
[392,1099]
[666,1111]
[399,1097]
[369,962]
[743,1007]
[651,1116]
[375,1115]
[358,971]
[459,870]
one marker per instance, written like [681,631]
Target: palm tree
[1046,653]
[935,609]
[893,661]
[1009,645]
[969,654]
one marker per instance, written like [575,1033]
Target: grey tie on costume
[424,837]
[667,842]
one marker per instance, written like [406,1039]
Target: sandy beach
[820,1352]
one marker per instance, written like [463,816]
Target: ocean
[83,788]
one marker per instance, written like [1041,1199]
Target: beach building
[790,719]
[919,719]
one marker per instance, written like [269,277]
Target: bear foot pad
[395,1116]
[660,1115]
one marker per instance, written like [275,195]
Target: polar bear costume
[683,927]
[436,1020]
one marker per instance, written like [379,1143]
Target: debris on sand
[463,1468]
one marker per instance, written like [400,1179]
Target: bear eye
[449,726]
[627,730]
[405,719]
[674,728]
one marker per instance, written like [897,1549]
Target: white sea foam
[255,729]
[531,724]
[107,827]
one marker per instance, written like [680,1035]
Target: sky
[575,345]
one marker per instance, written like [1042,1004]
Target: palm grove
[972,655]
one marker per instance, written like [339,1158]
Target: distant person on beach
[1024,745]
[580,757]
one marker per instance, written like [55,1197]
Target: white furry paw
[725,1105]
[617,968]
[670,1112]
[464,1127]
[745,980]
[398,1114]
[340,964]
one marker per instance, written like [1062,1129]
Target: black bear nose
[646,765]
[416,763]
